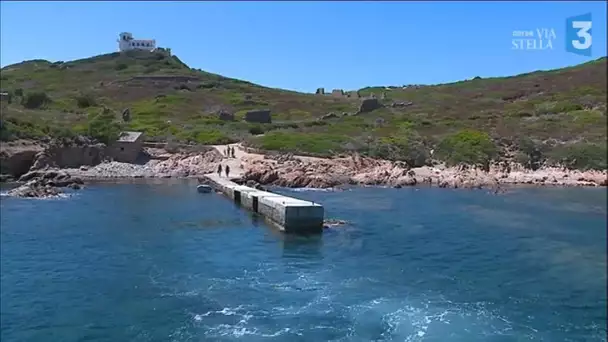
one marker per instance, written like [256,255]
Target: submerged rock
[331,223]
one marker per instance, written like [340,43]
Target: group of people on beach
[226,169]
[229,152]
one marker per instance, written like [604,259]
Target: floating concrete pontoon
[289,214]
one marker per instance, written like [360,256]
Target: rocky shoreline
[44,184]
[290,171]
[286,170]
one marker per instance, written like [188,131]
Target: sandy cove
[287,170]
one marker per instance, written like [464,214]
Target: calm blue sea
[161,262]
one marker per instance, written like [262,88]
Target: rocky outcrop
[225,116]
[69,156]
[401,104]
[182,164]
[368,105]
[328,116]
[44,184]
[332,223]
[297,172]
[16,158]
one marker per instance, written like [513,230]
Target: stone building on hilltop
[126,43]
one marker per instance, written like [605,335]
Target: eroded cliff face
[69,156]
[16,158]
[19,157]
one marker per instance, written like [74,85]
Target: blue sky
[305,45]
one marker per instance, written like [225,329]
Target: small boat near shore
[204,189]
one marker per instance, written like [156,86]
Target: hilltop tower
[126,43]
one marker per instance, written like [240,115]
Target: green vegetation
[102,126]
[582,156]
[467,147]
[556,116]
[35,100]
[407,145]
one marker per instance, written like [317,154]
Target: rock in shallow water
[331,223]
[45,184]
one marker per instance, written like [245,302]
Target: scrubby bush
[18,92]
[85,101]
[121,66]
[530,154]
[15,128]
[467,147]
[103,126]
[183,86]
[406,145]
[207,85]
[35,100]
[321,144]
[581,156]
[256,130]
[205,136]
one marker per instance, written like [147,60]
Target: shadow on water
[256,219]
[304,247]
[212,223]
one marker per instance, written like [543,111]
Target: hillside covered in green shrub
[557,115]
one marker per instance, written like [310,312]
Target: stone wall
[288,214]
[337,92]
[125,152]
[258,116]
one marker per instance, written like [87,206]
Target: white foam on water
[60,196]
[405,320]
[318,294]
[239,329]
[312,189]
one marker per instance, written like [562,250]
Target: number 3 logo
[583,32]
[578,34]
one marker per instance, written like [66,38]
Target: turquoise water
[161,262]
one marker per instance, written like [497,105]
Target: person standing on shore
[219,170]
[232,150]
[227,168]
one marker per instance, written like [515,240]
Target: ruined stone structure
[258,116]
[369,104]
[127,148]
[337,92]
[320,91]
